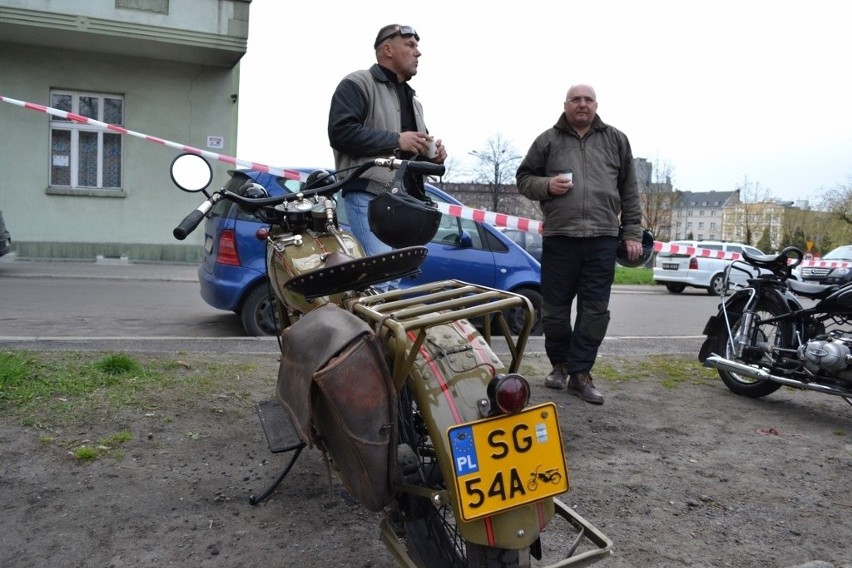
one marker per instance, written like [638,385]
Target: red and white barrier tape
[288,174]
[496,219]
[709,253]
[826,264]
[480,215]
[694,251]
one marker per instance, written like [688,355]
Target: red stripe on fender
[442,381]
[489,531]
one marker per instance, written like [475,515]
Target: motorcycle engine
[829,353]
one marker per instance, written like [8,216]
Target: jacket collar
[562,124]
[385,75]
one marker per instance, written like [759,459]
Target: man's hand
[416,142]
[559,185]
[634,249]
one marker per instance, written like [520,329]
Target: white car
[677,270]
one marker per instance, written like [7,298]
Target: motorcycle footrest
[279,431]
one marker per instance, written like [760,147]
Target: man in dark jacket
[581,172]
[374,113]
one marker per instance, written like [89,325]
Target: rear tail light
[693,263]
[508,394]
[227,250]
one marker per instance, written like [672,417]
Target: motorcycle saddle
[358,273]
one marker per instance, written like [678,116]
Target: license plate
[669,266]
[208,244]
[507,461]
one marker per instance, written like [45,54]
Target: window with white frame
[84,156]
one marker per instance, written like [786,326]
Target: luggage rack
[393,315]
[396,313]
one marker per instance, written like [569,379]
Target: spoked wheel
[765,337]
[431,535]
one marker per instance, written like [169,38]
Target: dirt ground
[675,475]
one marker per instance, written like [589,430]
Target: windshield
[840,253]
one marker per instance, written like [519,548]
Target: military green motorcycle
[402,390]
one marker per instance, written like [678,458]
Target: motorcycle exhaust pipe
[718,362]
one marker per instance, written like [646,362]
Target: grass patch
[670,372]
[633,276]
[105,447]
[53,389]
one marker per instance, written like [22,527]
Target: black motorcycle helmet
[319,178]
[400,220]
[647,251]
[252,190]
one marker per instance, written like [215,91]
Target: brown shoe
[580,384]
[557,378]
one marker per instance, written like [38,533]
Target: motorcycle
[405,397]
[764,337]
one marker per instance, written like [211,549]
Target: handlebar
[191,221]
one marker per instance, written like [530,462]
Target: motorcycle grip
[427,168]
[189,223]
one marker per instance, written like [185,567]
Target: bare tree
[658,200]
[496,164]
[838,201]
[751,194]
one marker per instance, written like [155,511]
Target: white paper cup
[567,175]
[433,148]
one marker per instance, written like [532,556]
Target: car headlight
[839,272]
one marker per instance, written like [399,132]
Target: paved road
[156,307]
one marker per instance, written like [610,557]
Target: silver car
[5,237]
[677,270]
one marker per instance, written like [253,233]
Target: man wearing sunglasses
[374,113]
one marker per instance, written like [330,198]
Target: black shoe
[557,378]
[580,384]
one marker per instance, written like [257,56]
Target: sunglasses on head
[403,31]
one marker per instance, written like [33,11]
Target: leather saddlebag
[336,386]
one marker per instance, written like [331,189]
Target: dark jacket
[364,120]
[605,193]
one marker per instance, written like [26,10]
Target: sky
[720,94]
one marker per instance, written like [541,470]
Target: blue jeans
[581,269]
[357,203]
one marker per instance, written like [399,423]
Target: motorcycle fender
[448,381]
[716,324]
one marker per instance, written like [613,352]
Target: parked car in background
[530,242]
[5,237]
[677,270]
[232,273]
[821,274]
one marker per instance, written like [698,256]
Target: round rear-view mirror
[191,172]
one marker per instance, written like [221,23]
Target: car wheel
[717,285]
[516,316]
[258,314]
[675,288]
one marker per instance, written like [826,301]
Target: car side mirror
[464,240]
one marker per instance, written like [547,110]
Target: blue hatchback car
[233,271]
